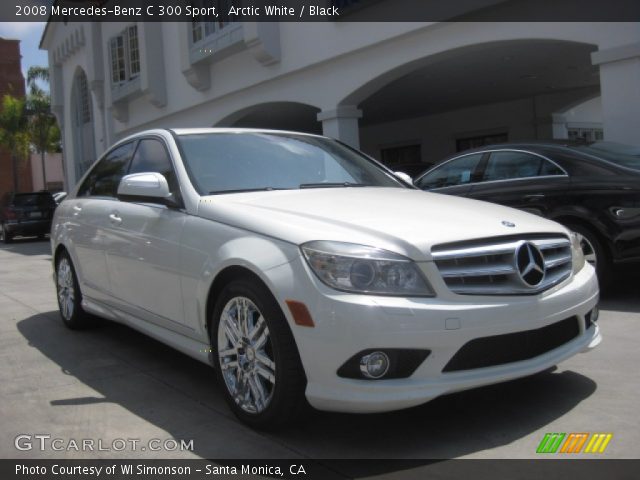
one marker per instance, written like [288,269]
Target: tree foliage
[27,123]
[14,131]
[45,136]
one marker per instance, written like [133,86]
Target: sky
[29,34]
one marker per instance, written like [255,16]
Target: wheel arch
[229,274]
[224,277]
[569,219]
[58,251]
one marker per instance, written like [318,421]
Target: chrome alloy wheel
[66,291]
[245,355]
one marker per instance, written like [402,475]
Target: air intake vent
[513,347]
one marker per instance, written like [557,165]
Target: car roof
[24,194]
[531,145]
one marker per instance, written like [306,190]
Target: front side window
[152,156]
[125,56]
[509,165]
[104,178]
[458,171]
[232,162]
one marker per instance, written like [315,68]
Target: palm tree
[14,133]
[42,123]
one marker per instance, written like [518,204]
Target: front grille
[513,347]
[495,267]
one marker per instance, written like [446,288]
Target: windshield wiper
[332,185]
[241,190]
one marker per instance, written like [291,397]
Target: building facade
[12,82]
[403,92]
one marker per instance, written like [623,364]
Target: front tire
[69,295]
[257,361]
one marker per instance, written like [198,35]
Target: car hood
[405,221]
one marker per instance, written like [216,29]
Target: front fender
[254,253]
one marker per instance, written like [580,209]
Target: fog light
[374,365]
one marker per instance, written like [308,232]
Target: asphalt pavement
[113,383]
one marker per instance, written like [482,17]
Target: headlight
[577,255]
[361,269]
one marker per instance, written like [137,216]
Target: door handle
[534,196]
[115,219]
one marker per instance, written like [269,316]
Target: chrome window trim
[535,154]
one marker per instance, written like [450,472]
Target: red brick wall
[12,81]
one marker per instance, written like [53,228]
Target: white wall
[53,169]
[587,112]
[326,65]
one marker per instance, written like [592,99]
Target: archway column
[620,88]
[341,123]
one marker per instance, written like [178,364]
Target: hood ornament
[506,223]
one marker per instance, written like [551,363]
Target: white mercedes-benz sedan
[306,272]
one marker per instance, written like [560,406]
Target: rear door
[89,216]
[523,180]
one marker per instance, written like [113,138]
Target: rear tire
[69,295]
[594,253]
[256,358]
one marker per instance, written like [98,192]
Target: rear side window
[104,178]
[152,156]
[458,171]
[510,165]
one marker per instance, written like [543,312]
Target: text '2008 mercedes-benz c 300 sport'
[304,271]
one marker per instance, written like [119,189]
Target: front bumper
[347,323]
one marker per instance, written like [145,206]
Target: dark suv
[593,189]
[26,214]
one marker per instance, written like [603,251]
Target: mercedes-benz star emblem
[530,264]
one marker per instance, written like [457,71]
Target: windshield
[230,162]
[618,153]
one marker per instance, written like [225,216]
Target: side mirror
[404,177]
[149,187]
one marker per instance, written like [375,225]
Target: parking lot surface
[114,383]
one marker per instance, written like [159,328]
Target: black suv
[26,214]
[593,189]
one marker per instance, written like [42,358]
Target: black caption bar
[320,469]
[320,10]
